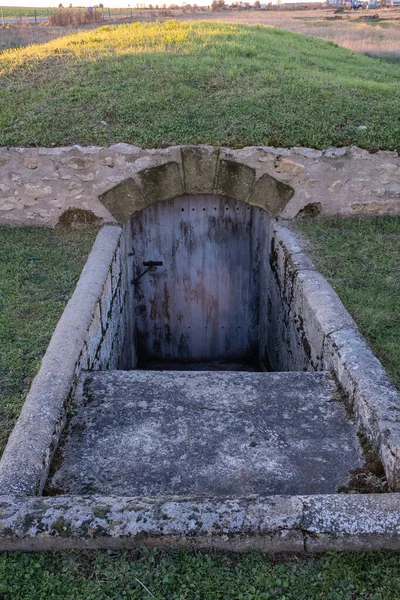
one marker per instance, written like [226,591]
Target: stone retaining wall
[90,335]
[309,329]
[40,186]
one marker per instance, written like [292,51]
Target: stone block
[199,167]
[61,522]
[290,245]
[77,162]
[291,167]
[104,354]
[106,301]
[5,156]
[270,194]
[37,191]
[234,180]
[94,334]
[117,266]
[123,200]
[310,153]
[162,182]
[31,162]
[336,152]
[351,522]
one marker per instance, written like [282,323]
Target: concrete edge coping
[375,399]
[271,524]
[25,461]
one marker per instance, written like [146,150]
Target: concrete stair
[157,433]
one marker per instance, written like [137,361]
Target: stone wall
[40,186]
[307,328]
[108,343]
[91,335]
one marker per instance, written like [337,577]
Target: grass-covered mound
[153,84]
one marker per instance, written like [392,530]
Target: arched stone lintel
[202,172]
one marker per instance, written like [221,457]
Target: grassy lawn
[197,82]
[181,575]
[39,269]
[361,259]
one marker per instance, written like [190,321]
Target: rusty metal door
[202,303]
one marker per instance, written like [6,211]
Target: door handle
[151,266]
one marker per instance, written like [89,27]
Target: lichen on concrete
[153,434]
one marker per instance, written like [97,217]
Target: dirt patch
[370,479]
[77,218]
[310,211]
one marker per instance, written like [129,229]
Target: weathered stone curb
[271,524]
[318,333]
[40,185]
[351,522]
[25,462]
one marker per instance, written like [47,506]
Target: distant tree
[257,4]
[101,5]
[60,5]
[218,5]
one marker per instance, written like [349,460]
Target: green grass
[26,11]
[361,259]
[183,575]
[197,82]
[39,269]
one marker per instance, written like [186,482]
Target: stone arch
[198,170]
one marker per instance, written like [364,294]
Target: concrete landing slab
[141,433]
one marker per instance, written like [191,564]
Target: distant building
[301,5]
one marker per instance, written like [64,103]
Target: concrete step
[149,433]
